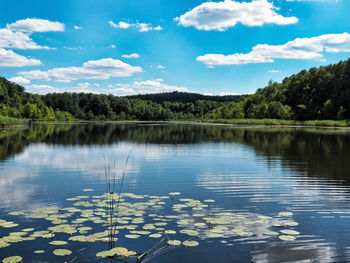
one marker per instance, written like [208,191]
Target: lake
[245,194]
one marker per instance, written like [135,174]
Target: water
[251,171]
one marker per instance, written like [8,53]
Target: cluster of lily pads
[91,219]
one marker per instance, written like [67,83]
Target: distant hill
[184,97]
[316,94]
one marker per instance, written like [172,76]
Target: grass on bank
[5,120]
[319,123]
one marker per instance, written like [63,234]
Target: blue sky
[129,47]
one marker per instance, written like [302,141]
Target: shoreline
[261,123]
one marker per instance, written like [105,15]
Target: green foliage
[317,94]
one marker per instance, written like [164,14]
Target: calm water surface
[252,171]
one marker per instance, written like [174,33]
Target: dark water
[253,171]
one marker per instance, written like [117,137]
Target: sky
[148,46]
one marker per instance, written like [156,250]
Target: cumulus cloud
[78,27]
[32,25]
[8,58]
[227,93]
[222,15]
[141,27]
[17,40]
[336,1]
[300,48]
[17,36]
[134,55]
[144,87]
[41,89]
[20,80]
[274,71]
[94,69]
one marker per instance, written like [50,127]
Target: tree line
[316,94]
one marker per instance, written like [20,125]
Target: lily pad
[62,252]
[132,236]
[39,251]
[13,259]
[58,243]
[285,213]
[286,238]
[105,254]
[188,243]
[120,251]
[271,233]
[174,242]
[290,232]
[155,235]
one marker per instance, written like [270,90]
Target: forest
[316,94]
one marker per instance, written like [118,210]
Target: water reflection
[246,170]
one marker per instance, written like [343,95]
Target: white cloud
[160,67]
[73,48]
[112,24]
[8,58]
[94,69]
[141,27]
[31,25]
[227,93]
[134,55]
[111,46]
[17,40]
[144,87]
[222,15]
[274,71]
[20,80]
[337,1]
[300,48]
[41,89]
[78,27]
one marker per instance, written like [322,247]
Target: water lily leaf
[120,251]
[3,244]
[174,242]
[78,238]
[290,232]
[58,243]
[62,252]
[209,201]
[214,235]
[155,235]
[200,224]
[39,251]
[170,232]
[16,213]
[105,254]
[88,190]
[13,259]
[286,238]
[132,236]
[271,233]
[28,229]
[188,243]
[291,223]
[285,213]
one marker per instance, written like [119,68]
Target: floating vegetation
[174,242]
[285,213]
[13,259]
[62,252]
[99,218]
[188,243]
[290,232]
[286,238]
[58,243]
